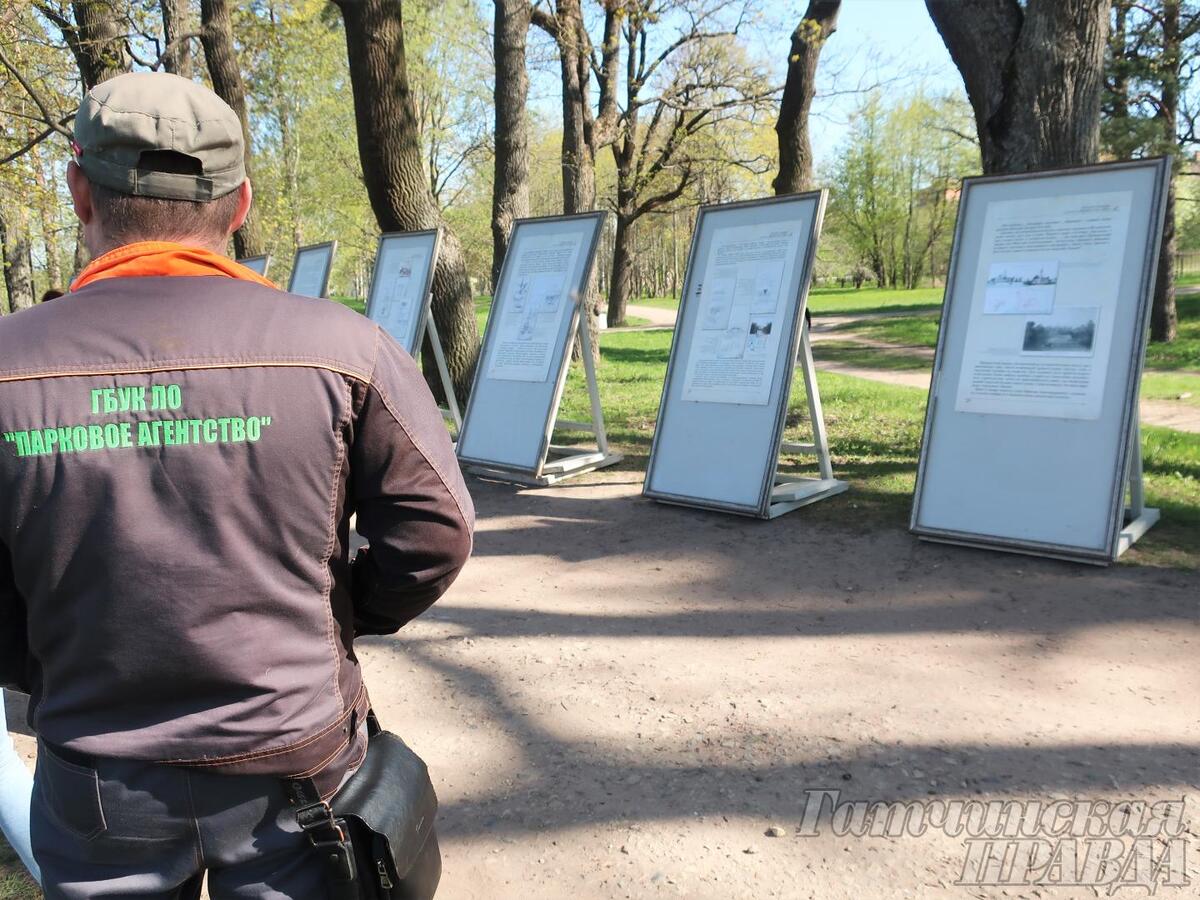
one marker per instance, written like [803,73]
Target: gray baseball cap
[152,134]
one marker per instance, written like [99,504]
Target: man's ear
[245,198]
[81,193]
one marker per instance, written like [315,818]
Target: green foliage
[895,185]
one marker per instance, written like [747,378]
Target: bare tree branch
[48,117]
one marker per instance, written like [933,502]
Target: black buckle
[328,836]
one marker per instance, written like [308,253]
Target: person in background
[16,784]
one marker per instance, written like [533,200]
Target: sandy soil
[618,699]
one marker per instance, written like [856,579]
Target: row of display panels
[1032,407]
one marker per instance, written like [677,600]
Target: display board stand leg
[792,493]
[439,357]
[1138,516]
[564,461]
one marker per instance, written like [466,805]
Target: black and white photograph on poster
[1015,288]
[1069,332]
[1077,241]
[760,332]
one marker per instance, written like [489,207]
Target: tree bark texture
[579,138]
[510,192]
[18,263]
[1033,74]
[389,147]
[216,34]
[795,148]
[97,41]
[1164,318]
[177,21]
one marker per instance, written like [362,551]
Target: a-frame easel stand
[451,413]
[791,493]
[563,461]
[1139,518]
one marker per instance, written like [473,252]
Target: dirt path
[618,699]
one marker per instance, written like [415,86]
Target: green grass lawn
[874,432]
[15,883]
[852,353]
[1184,351]
[835,300]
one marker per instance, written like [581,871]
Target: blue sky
[889,40]
[892,42]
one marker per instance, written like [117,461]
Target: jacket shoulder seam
[429,461]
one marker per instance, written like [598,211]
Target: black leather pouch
[377,833]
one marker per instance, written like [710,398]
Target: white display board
[1033,403]
[311,268]
[400,285]
[523,363]
[725,398]
[257,264]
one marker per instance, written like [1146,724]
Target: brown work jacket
[180,458]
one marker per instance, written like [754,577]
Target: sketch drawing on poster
[732,359]
[1014,288]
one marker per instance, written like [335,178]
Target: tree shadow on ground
[562,784]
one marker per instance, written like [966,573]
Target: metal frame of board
[332,245]
[555,462]
[779,494]
[266,263]
[1129,521]
[425,320]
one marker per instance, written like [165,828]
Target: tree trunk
[1033,74]
[216,34]
[46,215]
[389,147]
[795,149]
[177,21]
[622,272]
[18,264]
[510,191]
[97,41]
[1164,320]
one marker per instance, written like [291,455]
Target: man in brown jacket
[181,449]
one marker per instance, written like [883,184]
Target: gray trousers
[129,829]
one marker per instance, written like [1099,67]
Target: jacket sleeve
[412,503]
[14,651]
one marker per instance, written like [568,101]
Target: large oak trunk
[216,34]
[1164,319]
[177,22]
[510,193]
[1033,75]
[97,41]
[389,147]
[795,149]
[578,153]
